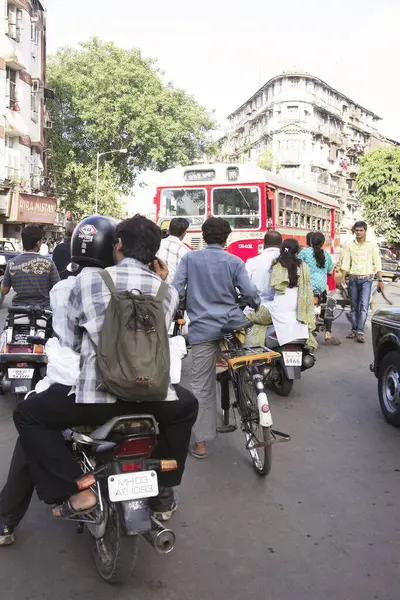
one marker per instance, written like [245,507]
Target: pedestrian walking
[172,248]
[361,262]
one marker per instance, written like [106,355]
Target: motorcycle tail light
[131,467]
[135,447]
[168,465]
[22,365]
[292,348]
[11,349]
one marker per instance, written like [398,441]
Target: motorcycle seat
[236,326]
[102,433]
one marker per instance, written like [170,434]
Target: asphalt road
[323,526]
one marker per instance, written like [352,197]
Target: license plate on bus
[292,359]
[20,373]
[132,486]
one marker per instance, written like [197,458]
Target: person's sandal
[67,511]
[351,336]
[332,341]
[360,338]
[193,452]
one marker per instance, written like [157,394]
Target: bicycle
[245,367]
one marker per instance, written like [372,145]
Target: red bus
[253,200]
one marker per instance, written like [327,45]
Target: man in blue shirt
[208,280]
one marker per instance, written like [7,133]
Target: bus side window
[289,210]
[270,198]
[309,217]
[303,213]
[281,209]
[296,216]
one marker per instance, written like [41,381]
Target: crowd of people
[284,280]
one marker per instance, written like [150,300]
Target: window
[303,214]
[239,206]
[12,156]
[14,15]
[34,34]
[189,203]
[294,82]
[281,219]
[289,210]
[293,112]
[34,106]
[11,87]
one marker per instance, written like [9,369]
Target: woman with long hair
[321,264]
[292,309]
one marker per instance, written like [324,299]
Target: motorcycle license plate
[292,359]
[20,373]
[132,486]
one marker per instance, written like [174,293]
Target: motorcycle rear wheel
[115,554]
[282,385]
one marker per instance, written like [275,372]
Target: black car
[386,365]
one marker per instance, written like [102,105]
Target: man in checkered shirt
[172,248]
[40,420]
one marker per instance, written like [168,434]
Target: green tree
[108,98]
[266,160]
[378,183]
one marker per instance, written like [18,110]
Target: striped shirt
[361,259]
[171,251]
[87,307]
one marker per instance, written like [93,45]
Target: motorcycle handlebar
[36,311]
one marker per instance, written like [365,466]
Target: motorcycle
[116,463]
[22,354]
[294,359]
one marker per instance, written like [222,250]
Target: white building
[312,132]
[25,191]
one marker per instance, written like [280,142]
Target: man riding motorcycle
[16,494]
[31,275]
[41,419]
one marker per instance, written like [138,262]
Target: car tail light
[11,349]
[292,348]
[38,349]
[22,365]
[131,467]
[135,447]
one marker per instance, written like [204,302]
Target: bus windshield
[240,206]
[189,203]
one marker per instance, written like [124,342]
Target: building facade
[26,193]
[306,131]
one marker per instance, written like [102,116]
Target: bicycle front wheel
[258,438]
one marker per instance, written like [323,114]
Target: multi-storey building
[309,131]
[26,193]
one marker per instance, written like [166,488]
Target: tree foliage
[109,98]
[378,184]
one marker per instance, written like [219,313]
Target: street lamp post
[99,155]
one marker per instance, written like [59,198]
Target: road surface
[324,525]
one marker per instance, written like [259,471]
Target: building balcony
[289,157]
[329,189]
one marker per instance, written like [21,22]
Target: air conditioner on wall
[48,124]
[35,85]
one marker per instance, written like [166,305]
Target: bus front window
[188,203]
[240,206]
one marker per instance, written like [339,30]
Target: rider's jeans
[360,296]
[204,386]
[41,418]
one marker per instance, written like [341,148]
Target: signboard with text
[35,209]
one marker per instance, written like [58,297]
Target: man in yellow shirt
[361,262]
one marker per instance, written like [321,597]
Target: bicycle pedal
[226,429]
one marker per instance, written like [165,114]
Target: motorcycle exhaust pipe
[162,540]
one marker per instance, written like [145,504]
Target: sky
[222,51]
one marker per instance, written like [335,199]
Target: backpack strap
[162,292]
[108,280]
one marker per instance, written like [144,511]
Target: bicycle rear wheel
[258,438]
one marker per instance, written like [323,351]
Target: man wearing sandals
[361,262]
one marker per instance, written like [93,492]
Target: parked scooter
[22,354]
[294,359]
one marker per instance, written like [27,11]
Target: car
[390,264]
[386,364]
